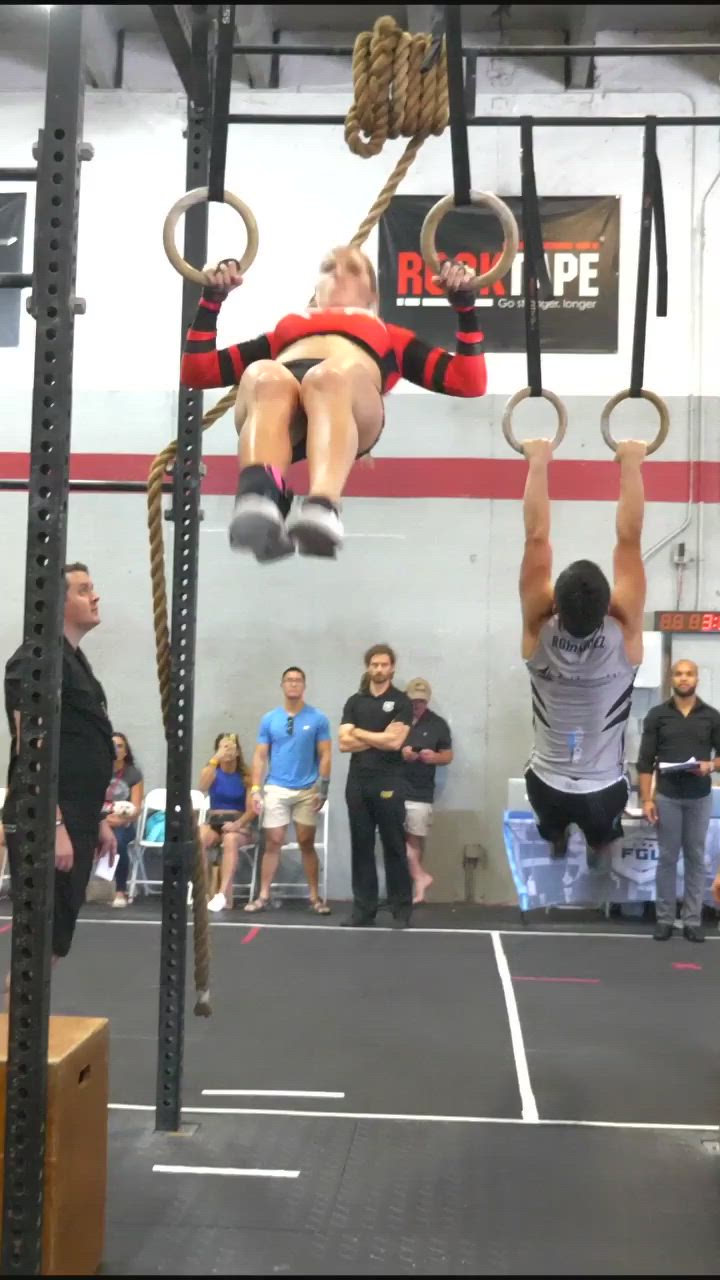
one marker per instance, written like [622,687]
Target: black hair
[582,598]
[287,671]
[129,757]
[375,651]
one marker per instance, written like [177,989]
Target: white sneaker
[218,903]
[120,900]
[316,529]
[257,525]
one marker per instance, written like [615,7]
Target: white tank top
[581,695]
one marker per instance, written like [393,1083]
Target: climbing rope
[164,460]
[393,98]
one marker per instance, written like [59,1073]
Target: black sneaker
[358,922]
[560,846]
[317,529]
[401,920]
[663,932]
[693,934]
[258,519]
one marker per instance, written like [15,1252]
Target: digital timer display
[700,622]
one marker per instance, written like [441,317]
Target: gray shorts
[418,817]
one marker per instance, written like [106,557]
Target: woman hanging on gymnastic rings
[314,388]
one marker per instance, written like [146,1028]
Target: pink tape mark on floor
[680,965]
[250,937]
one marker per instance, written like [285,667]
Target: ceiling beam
[582,30]
[172,24]
[101,40]
[254,25]
[418,19]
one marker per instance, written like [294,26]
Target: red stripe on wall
[499,478]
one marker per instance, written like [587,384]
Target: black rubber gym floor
[507,1101]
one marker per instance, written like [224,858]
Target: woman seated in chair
[226,779]
[123,802]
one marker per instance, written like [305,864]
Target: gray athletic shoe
[316,529]
[257,525]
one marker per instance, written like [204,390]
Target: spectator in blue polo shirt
[290,783]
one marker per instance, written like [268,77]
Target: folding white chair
[155,802]
[289,888]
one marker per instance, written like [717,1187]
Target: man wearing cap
[429,744]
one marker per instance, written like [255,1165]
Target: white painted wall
[307,191]
[440,580]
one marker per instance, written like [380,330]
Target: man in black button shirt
[375,724]
[85,761]
[429,744]
[681,729]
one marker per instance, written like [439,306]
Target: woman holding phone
[225,778]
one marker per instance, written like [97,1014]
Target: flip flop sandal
[260,904]
[320,908]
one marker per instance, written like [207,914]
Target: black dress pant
[81,822]
[378,804]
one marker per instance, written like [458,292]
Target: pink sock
[277,476]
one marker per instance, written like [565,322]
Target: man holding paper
[681,745]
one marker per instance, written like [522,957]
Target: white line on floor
[427,1119]
[226,1173]
[411,933]
[527,1097]
[268,1093]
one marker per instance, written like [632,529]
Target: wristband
[59,822]
[211,294]
[462,300]
[255,788]
[323,786]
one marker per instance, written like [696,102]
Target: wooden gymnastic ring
[660,405]
[197,196]
[511,235]
[524,395]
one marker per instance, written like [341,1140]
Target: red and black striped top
[398,352]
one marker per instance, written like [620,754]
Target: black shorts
[70,886]
[216,818]
[597,813]
[298,427]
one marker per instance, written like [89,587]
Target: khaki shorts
[418,817]
[281,805]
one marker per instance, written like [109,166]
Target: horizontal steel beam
[504,51]
[15,280]
[552,122]
[89,486]
[18,174]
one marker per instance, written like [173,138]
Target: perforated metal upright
[53,305]
[179,847]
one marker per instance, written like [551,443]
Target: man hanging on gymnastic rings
[314,387]
[582,643]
